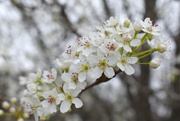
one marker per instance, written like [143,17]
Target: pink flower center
[74,77]
[51,99]
[50,76]
[69,50]
[110,47]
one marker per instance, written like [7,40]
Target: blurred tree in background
[33,34]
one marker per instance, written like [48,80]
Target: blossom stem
[45,84]
[56,85]
[135,34]
[143,63]
[142,53]
[143,40]
[145,55]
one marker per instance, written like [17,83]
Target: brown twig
[102,79]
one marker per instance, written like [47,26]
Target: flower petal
[77,102]
[95,72]
[127,48]
[120,66]
[132,60]
[82,76]
[109,72]
[129,69]
[135,42]
[72,85]
[65,106]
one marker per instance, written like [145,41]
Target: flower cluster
[12,108]
[112,46]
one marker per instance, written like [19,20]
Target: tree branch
[102,79]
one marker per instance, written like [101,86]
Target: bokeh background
[33,33]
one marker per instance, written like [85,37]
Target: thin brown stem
[102,79]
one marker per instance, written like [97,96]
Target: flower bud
[1,112]
[32,88]
[162,48]
[137,26]
[127,22]
[12,110]
[5,105]
[155,63]
[25,115]
[13,100]
[127,37]
[20,119]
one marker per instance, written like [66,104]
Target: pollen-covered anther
[51,99]
[74,77]
[50,76]
[111,47]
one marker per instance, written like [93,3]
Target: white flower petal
[129,69]
[112,60]
[132,60]
[45,104]
[86,52]
[109,72]
[95,72]
[52,108]
[127,48]
[120,66]
[66,77]
[155,33]
[135,42]
[77,102]
[72,85]
[81,85]
[36,116]
[92,59]
[82,76]
[65,106]
[54,92]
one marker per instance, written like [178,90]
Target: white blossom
[50,77]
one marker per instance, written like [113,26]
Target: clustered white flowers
[112,46]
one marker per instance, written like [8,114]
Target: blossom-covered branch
[100,55]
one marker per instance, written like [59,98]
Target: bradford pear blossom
[124,28]
[112,22]
[97,38]
[85,46]
[126,41]
[31,104]
[148,27]
[161,44]
[50,77]
[64,65]
[124,63]
[82,67]
[34,77]
[110,46]
[70,52]
[102,63]
[70,98]
[32,88]
[137,26]
[155,63]
[74,80]
[52,98]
